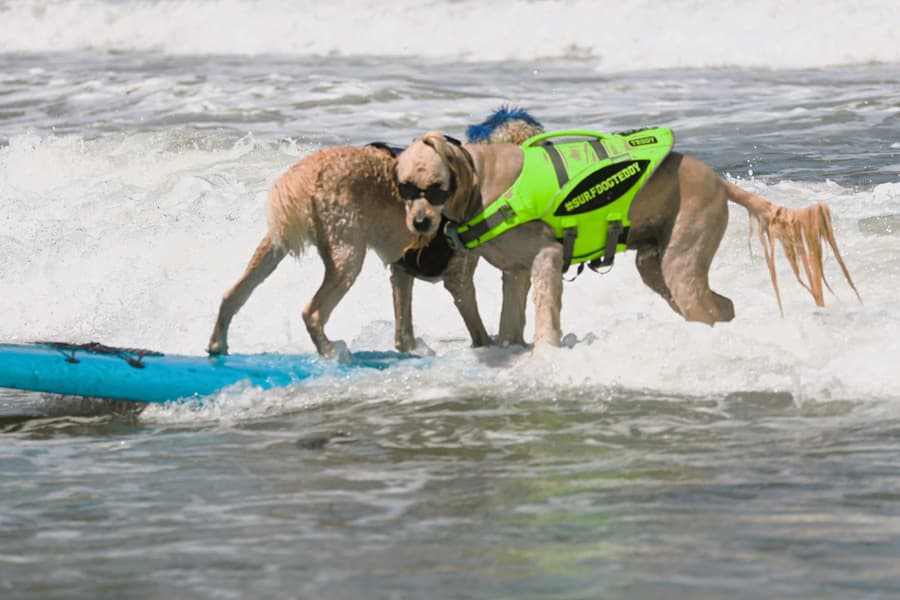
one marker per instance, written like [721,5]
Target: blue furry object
[503,115]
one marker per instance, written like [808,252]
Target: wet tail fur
[800,232]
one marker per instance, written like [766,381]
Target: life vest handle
[533,141]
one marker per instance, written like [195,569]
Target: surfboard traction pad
[133,356]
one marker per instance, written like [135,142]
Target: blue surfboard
[99,371]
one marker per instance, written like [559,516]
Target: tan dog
[343,200]
[677,221]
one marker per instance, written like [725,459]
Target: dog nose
[422,225]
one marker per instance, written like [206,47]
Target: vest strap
[598,148]
[562,175]
[471,234]
[615,234]
[568,242]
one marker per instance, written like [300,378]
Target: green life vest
[582,186]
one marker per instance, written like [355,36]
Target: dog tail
[289,210]
[800,232]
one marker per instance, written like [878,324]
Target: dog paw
[340,352]
[422,349]
[217,349]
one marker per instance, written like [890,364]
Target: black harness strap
[568,242]
[615,234]
[504,213]
[390,149]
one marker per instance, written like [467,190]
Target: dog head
[435,176]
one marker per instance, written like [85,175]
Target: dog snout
[422,224]
[421,217]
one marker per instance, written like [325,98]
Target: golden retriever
[343,200]
[677,221]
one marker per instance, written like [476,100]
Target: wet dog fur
[677,222]
[344,200]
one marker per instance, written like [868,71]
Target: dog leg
[458,280]
[696,235]
[402,286]
[265,258]
[650,269]
[343,262]
[546,273]
[512,314]
[725,306]
[689,283]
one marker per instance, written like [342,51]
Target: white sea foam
[134,239]
[642,34]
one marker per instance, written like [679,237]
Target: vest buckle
[452,235]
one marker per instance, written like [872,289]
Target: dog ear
[453,155]
[436,140]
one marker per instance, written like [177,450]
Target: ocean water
[647,458]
